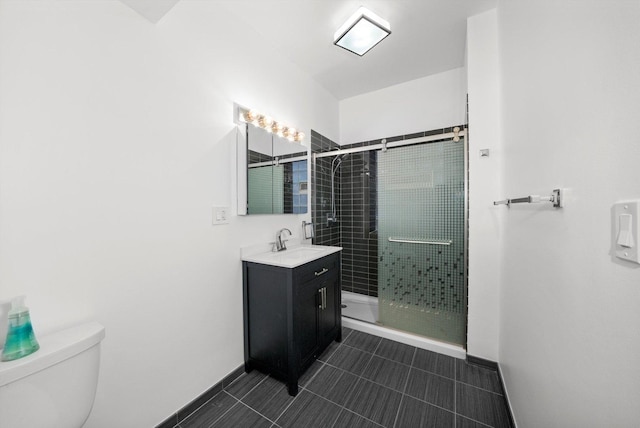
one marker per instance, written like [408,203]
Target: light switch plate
[625,230]
[220,215]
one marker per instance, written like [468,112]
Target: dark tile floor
[365,381]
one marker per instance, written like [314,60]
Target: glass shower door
[421,267]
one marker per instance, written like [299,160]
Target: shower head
[335,164]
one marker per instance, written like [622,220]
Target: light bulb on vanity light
[265,122]
[276,128]
[249,116]
[299,137]
[292,134]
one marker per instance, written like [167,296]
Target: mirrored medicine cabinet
[272,173]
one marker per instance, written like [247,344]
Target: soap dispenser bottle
[20,340]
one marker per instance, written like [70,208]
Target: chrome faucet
[280,246]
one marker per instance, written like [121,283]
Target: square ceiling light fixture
[362,31]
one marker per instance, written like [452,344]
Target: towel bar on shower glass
[413,241]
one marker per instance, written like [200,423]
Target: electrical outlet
[220,215]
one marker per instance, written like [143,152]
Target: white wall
[484,186]
[116,139]
[432,102]
[570,317]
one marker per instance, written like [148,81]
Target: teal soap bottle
[20,340]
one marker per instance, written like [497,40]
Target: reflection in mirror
[276,174]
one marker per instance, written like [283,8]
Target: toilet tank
[55,386]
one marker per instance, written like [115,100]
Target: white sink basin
[292,257]
[299,252]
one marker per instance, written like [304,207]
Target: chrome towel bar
[555,198]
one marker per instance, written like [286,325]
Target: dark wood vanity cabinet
[290,316]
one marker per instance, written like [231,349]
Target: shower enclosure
[398,209]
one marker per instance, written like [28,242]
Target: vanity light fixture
[361,32]
[269,125]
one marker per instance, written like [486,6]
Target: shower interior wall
[355,206]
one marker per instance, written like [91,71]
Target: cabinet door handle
[324,297]
[322,272]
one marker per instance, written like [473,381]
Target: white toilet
[55,386]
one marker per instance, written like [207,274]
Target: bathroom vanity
[291,309]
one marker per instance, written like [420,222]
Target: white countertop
[293,256]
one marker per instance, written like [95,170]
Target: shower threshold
[361,314]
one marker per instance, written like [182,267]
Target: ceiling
[427,37]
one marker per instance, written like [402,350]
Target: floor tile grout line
[240,377]
[339,344]
[378,345]
[455,394]
[228,410]
[364,350]
[434,373]
[480,388]
[322,363]
[404,390]
[273,421]
[364,378]
[266,376]
[385,386]
[290,404]
[204,404]
[431,404]
[199,407]
[395,420]
[342,408]
[261,414]
[455,398]
[415,352]
[476,421]
[455,371]
[359,377]
[407,365]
